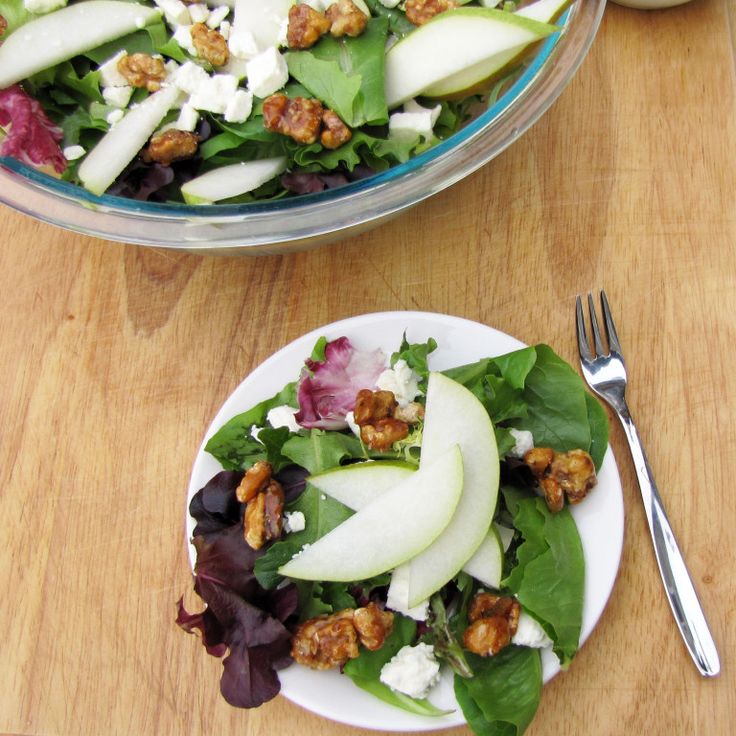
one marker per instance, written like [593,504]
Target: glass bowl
[307,220]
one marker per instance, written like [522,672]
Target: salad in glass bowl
[404,529]
[246,101]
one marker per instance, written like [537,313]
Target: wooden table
[114,359]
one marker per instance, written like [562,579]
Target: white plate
[600,518]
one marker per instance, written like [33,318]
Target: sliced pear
[543,11]
[117,148]
[395,527]
[58,36]
[262,18]
[230,181]
[357,485]
[451,42]
[455,415]
[486,565]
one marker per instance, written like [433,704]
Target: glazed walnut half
[306,26]
[171,145]
[264,505]
[419,12]
[561,474]
[143,70]
[3,25]
[494,620]
[210,45]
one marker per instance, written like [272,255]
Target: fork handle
[677,582]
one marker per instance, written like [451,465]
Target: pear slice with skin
[67,32]
[395,527]
[455,415]
[483,73]
[452,42]
[486,565]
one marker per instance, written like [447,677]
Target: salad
[341,453]
[245,100]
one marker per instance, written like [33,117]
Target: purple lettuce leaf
[327,389]
[215,506]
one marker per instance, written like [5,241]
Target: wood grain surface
[113,360]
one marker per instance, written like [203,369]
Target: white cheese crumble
[189,77]
[238,109]
[109,74]
[530,634]
[188,118]
[401,380]
[241,43]
[199,13]
[175,11]
[217,16]
[294,521]
[412,671]
[183,36]
[72,153]
[267,72]
[524,442]
[117,96]
[214,94]
[43,6]
[354,428]
[114,117]
[414,121]
[282,416]
[224,29]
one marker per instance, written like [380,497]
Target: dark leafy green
[416,356]
[318,450]
[503,695]
[549,575]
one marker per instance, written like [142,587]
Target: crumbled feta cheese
[354,428]
[224,30]
[109,74]
[267,73]
[188,118]
[530,634]
[239,107]
[524,442]
[294,521]
[175,11]
[402,380]
[115,117]
[281,416]
[241,43]
[198,12]
[189,77]
[72,153]
[43,6]
[217,16]
[255,431]
[414,121]
[412,670]
[214,94]
[183,36]
[282,39]
[117,96]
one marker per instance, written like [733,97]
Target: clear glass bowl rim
[330,214]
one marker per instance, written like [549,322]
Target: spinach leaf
[365,670]
[549,575]
[321,515]
[233,446]
[503,696]
[318,450]
[153,39]
[318,598]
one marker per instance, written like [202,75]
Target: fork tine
[613,342]
[599,349]
[583,347]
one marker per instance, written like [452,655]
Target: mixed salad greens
[206,102]
[307,432]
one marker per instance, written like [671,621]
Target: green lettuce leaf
[549,575]
[503,696]
[416,356]
[318,450]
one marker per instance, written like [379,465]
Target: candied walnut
[326,641]
[412,413]
[210,45]
[420,11]
[370,406]
[306,26]
[3,25]
[561,474]
[256,479]
[334,132]
[346,19]
[487,636]
[143,70]
[383,433]
[263,517]
[373,625]
[488,605]
[171,145]
[299,118]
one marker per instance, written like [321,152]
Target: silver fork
[605,373]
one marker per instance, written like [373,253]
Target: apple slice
[452,42]
[455,415]
[262,18]
[359,484]
[395,527]
[230,181]
[544,11]
[58,36]
[486,565]
[117,148]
